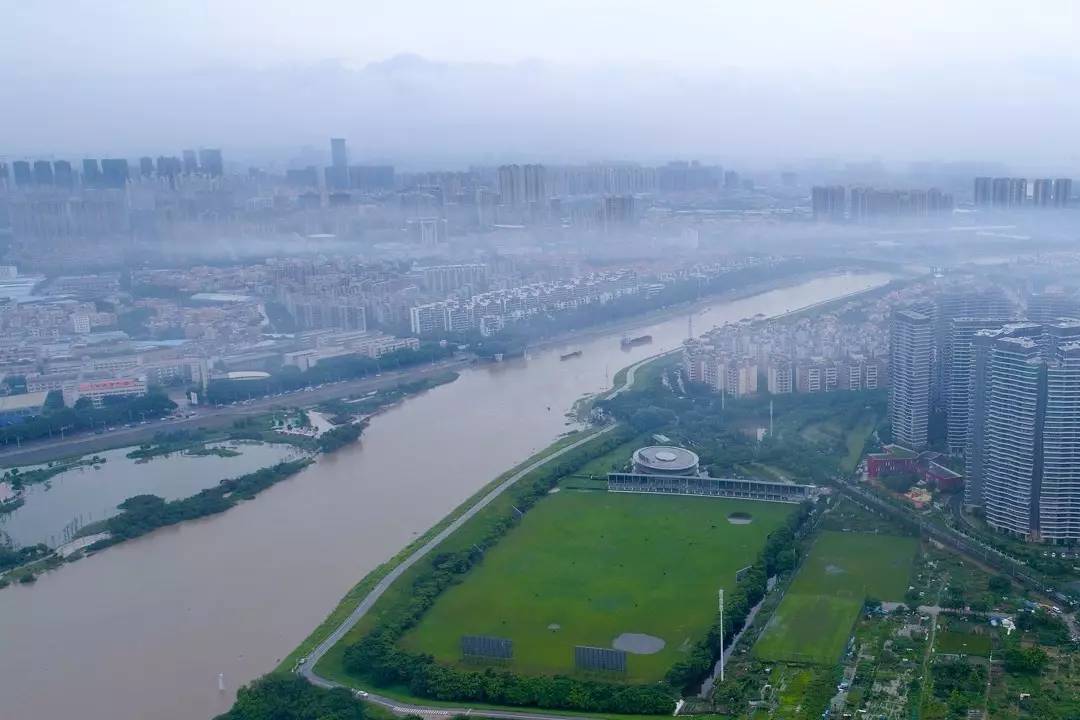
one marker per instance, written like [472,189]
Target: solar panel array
[594,658]
[485,646]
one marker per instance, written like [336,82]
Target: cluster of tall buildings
[1010,193]
[1023,443]
[56,201]
[928,354]
[107,173]
[1009,393]
[835,203]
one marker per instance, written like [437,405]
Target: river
[143,629]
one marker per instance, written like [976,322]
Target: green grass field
[814,620]
[962,643]
[597,565]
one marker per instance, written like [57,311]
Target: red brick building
[897,459]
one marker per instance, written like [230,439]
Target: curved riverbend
[144,629]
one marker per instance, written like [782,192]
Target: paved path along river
[143,629]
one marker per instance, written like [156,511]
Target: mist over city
[576,359]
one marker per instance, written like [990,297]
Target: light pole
[721,634]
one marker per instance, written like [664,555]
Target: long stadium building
[710,487]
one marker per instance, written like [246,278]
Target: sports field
[816,615]
[585,567]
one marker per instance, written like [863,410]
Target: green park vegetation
[815,619]
[582,568]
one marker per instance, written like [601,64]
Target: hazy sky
[904,80]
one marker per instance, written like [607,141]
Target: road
[213,417]
[307,669]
